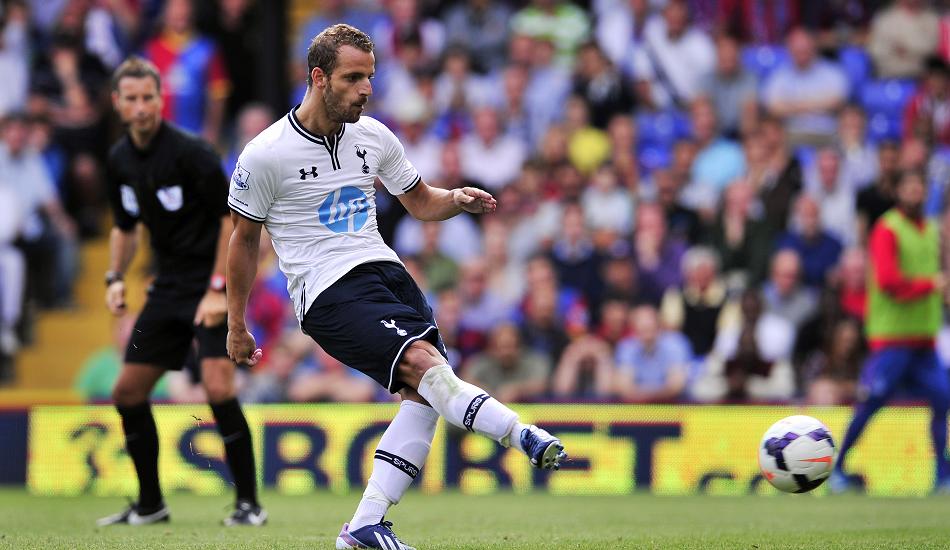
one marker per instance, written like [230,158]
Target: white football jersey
[316,197]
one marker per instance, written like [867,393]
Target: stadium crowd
[685,186]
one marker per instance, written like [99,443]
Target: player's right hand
[242,348]
[115,298]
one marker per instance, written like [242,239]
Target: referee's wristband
[113,277]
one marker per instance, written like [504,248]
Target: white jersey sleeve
[395,170]
[254,183]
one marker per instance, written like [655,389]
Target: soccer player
[905,300]
[171,182]
[309,179]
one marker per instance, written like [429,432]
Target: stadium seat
[884,127]
[857,66]
[662,128]
[762,60]
[887,96]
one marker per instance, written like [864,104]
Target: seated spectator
[858,155]
[652,366]
[12,279]
[876,199]
[784,295]
[683,222]
[927,114]
[781,181]
[423,148]
[588,147]
[613,315]
[702,307]
[608,206]
[458,88]
[549,84]
[902,36]
[656,255]
[623,150]
[14,58]
[732,90]
[565,24]
[816,248]
[806,93]
[506,369]
[99,371]
[621,278]
[832,188]
[482,309]
[550,315]
[751,360]
[674,61]
[742,243]
[440,270]
[830,375]
[574,257]
[851,283]
[481,26]
[448,312]
[719,161]
[601,86]
[489,158]
[585,370]
[252,119]
[324,379]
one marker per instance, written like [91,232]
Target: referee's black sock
[237,447]
[141,440]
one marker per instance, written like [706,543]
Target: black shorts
[368,318]
[165,331]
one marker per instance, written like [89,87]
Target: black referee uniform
[176,187]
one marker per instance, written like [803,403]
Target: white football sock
[467,406]
[516,435]
[400,454]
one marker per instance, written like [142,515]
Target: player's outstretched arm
[242,268]
[122,247]
[431,204]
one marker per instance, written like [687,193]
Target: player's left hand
[476,201]
[212,310]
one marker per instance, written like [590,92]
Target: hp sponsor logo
[345,210]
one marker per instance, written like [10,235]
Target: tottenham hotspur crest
[362,154]
[392,324]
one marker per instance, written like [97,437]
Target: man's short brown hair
[325,46]
[136,67]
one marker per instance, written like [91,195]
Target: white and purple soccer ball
[797,454]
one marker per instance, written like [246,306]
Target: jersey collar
[310,136]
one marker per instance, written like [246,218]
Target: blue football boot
[543,449]
[379,535]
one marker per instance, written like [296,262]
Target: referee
[172,182]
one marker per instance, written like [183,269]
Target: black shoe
[133,515]
[246,513]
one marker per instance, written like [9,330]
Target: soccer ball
[797,454]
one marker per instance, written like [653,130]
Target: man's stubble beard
[335,112]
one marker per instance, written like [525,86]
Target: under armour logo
[304,174]
[392,324]
[362,155]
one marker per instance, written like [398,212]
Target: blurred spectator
[506,369]
[68,86]
[702,306]
[548,86]
[806,92]
[732,90]
[683,222]
[621,279]
[607,206]
[782,179]
[817,249]
[563,22]
[830,375]
[601,85]
[328,380]
[12,278]
[490,158]
[784,295]
[927,114]
[481,26]
[195,83]
[423,149]
[752,358]
[652,366]
[623,143]
[440,270]
[14,58]
[235,29]
[575,260]
[401,19]
[585,370]
[719,161]
[351,12]
[742,243]
[458,89]
[656,254]
[99,371]
[902,36]
[83,195]
[588,147]
[448,312]
[858,155]
[48,236]
[619,28]
[481,307]
[613,323]
[834,191]
[515,111]
[549,313]
[251,120]
[851,283]
[674,60]
[763,22]
[876,199]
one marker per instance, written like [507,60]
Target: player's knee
[128,395]
[422,356]
[219,391]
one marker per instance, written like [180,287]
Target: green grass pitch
[454,521]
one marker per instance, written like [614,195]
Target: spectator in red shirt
[927,115]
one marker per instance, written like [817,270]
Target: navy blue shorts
[368,318]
